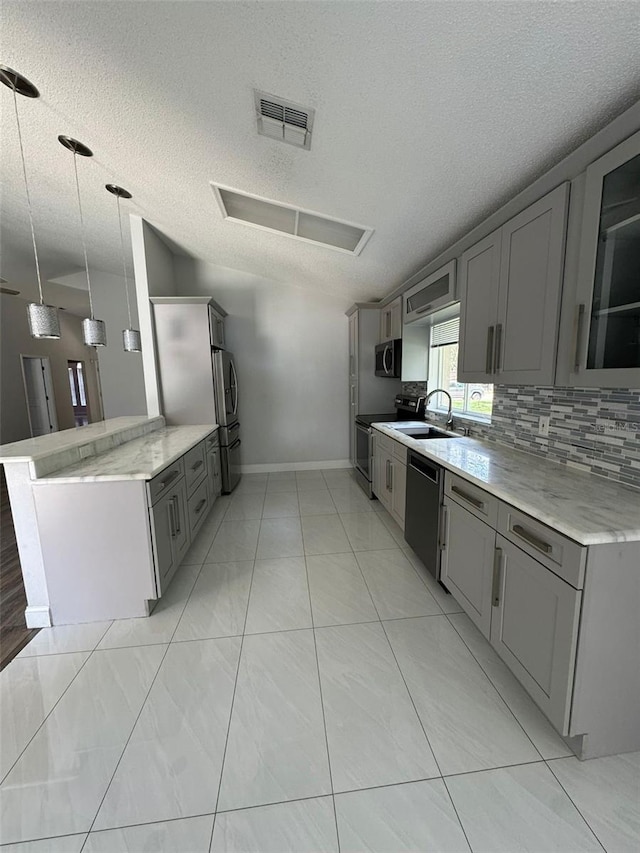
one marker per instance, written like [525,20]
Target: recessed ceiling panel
[294,222]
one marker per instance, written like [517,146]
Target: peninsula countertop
[586,508]
[139,459]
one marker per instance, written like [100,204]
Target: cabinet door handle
[172,518]
[579,328]
[498,354]
[200,506]
[169,479]
[530,539]
[466,497]
[424,308]
[443,527]
[176,510]
[495,584]
[489,358]
[391,477]
[386,474]
[197,465]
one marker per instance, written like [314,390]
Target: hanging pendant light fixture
[43,319]
[94,331]
[130,337]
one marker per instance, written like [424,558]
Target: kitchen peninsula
[105,513]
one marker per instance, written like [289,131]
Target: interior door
[38,385]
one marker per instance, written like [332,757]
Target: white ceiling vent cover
[283,120]
[305,225]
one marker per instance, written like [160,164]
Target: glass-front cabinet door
[608,311]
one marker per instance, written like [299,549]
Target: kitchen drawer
[198,507]
[561,555]
[383,442]
[194,466]
[163,481]
[212,441]
[476,500]
[399,451]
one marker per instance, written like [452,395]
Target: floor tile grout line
[575,805]
[406,686]
[455,809]
[142,707]
[233,699]
[324,717]
[490,680]
[55,705]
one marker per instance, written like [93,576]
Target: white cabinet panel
[510,285]
[467,563]
[535,630]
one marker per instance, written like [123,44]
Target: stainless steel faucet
[449,422]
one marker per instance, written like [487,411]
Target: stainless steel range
[407,408]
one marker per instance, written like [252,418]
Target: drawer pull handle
[495,585]
[473,501]
[169,479]
[532,540]
[200,506]
[197,465]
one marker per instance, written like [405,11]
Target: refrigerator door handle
[234,386]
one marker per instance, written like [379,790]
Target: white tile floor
[303,686]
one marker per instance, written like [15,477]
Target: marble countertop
[139,459]
[586,508]
[45,445]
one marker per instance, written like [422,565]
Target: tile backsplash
[595,429]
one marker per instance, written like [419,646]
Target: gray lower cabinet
[562,616]
[467,563]
[510,285]
[170,532]
[390,475]
[534,629]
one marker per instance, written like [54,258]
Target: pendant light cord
[84,244]
[26,187]
[124,264]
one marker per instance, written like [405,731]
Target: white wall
[291,351]
[15,340]
[121,375]
[153,262]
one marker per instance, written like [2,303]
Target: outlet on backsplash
[543,425]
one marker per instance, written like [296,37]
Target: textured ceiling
[429,115]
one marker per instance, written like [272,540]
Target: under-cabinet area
[546,564]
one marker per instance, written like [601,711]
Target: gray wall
[15,341]
[291,350]
[121,374]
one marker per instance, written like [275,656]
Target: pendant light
[94,331]
[130,337]
[43,319]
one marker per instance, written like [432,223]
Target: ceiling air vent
[294,222]
[284,120]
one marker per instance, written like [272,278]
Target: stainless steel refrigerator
[198,382]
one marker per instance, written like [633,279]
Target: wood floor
[14,634]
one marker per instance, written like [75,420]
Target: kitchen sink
[424,432]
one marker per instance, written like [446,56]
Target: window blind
[443,334]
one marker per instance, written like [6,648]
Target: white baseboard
[295,466]
[37,617]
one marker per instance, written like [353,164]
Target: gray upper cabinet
[606,328]
[391,321]
[434,292]
[510,285]
[216,328]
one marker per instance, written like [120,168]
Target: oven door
[363,450]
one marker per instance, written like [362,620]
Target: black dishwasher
[425,484]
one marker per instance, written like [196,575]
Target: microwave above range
[389,359]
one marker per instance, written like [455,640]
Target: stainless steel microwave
[389,359]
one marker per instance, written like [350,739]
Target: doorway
[78,392]
[41,401]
